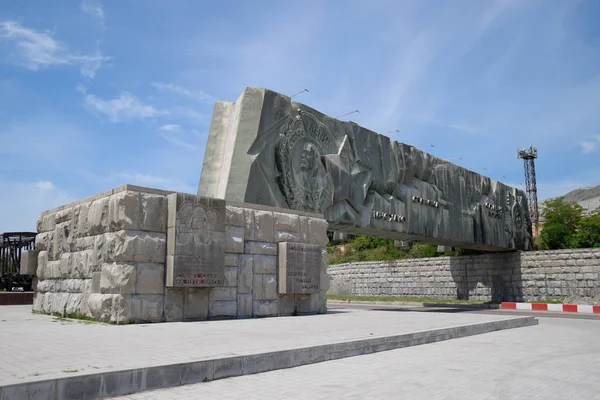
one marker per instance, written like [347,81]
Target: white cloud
[141,179]
[45,185]
[590,145]
[190,115]
[154,181]
[36,50]
[197,95]
[173,134]
[22,203]
[93,8]
[178,142]
[126,107]
[170,127]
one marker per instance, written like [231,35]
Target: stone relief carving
[362,182]
[304,180]
[195,237]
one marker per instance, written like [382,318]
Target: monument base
[105,257]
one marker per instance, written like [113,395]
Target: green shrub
[361,243]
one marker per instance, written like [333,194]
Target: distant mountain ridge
[586,197]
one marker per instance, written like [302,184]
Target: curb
[571,308]
[120,383]
[416,304]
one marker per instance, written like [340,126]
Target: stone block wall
[104,257]
[571,275]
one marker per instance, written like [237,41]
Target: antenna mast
[529,156]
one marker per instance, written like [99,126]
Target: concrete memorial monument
[277,175]
[267,149]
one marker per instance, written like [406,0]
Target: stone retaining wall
[514,276]
[104,257]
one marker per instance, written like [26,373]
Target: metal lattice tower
[529,156]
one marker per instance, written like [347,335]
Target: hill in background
[586,197]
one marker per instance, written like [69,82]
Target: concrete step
[129,381]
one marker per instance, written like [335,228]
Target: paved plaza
[556,359]
[65,348]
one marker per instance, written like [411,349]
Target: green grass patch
[406,299]
[76,316]
[84,318]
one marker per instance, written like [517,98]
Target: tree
[562,221]
[588,234]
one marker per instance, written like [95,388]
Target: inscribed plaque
[299,267]
[195,241]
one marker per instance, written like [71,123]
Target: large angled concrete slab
[267,149]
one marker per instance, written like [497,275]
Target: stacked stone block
[252,235]
[104,257]
[515,276]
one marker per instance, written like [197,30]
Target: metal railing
[12,244]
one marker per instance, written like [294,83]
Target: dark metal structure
[529,156]
[12,244]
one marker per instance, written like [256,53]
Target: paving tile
[555,360]
[71,348]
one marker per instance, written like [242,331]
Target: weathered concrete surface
[28,262]
[77,360]
[266,149]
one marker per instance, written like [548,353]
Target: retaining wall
[514,276]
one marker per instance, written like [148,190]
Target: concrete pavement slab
[89,360]
[556,359]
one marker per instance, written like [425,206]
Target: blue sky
[96,94]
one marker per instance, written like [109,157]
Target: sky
[95,94]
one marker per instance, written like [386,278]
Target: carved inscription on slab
[299,267]
[195,241]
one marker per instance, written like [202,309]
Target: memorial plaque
[299,267]
[195,241]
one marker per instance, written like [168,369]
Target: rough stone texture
[269,150]
[234,239]
[195,302]
[267,248]
[29,262]
[264,264]
[118,278]
[150,279]
[265,308]
[173,304]
[222,309]
[106,257]
[244,305]
[570,275]
[265,287]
